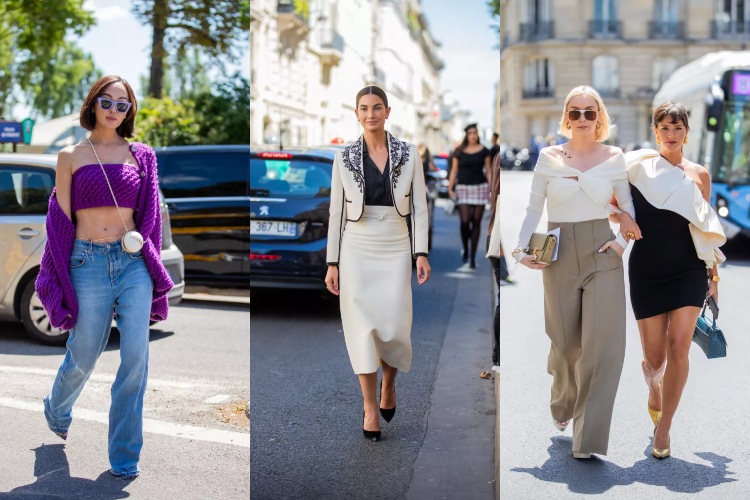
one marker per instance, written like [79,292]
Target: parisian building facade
[310,58]
[625,49]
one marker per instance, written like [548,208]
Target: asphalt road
[196,443]
[710,443]
[306,405]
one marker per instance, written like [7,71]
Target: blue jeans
[107,281]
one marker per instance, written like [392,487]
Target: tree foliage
[213,26]
[163,122]
[31,35]
[60,86]
[221,116]
[224,116]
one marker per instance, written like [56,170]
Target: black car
[289,200]
[206,190]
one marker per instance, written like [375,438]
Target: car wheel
[36,321]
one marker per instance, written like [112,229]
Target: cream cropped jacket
[348,193]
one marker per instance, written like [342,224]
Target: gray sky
[469,49]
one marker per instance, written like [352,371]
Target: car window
[25,190]
[290,176]
[203,175]
[441,163]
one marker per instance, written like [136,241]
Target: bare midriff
[103,224]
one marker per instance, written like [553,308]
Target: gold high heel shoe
[656,414]
[661,453]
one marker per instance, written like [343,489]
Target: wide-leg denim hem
[54,428]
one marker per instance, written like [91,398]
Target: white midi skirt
[375,283]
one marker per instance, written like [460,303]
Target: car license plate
[273,228]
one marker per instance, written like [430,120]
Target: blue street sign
[10,132]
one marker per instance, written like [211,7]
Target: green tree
[224,116]
[59,87]
[213,26]
[31,35]
[494,6]
[163,122]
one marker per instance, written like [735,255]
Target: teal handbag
[708,336]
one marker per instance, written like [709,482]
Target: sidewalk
[457,456]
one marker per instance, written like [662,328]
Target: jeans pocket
[76,260]
[136,256]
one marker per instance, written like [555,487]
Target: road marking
[106,377]
[149,425]
[219,398]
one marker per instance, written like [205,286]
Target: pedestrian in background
[584,290]
[495,148]
[495,254]
[427,163]
[102,257]
[468,186]
[376,182]
[672,269]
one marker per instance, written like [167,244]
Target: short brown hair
[87,116]
[372,89]
[674,110]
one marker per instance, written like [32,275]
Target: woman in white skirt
[470,168]
[376,182]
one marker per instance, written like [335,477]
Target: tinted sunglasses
[575,114]
[120,106]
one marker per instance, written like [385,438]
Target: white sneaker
[581,455]
[560,426]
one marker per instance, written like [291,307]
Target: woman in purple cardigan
[102,258]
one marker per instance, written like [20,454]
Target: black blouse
[377,186]
[470,167]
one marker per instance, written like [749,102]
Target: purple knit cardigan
[53,283]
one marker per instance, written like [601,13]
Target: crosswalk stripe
[149,425]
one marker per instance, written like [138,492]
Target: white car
[26,182]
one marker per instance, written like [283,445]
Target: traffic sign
[10,132]
[27,126]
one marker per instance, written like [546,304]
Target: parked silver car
[26,182]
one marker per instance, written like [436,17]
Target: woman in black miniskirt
[672,269]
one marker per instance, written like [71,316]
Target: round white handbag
[132,241]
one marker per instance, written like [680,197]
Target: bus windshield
[734,144]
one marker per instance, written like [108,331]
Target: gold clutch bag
[542,246]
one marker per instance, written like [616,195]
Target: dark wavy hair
[87,116]
[673,110]
[372,89]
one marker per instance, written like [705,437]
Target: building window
[606,76]
[537,79]
[605,23]
[732,18]
[666,22]
[538,25]
[662,69]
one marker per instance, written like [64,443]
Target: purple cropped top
[53,283]
[89,187]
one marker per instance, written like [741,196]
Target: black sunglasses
[575,114]
[120,106]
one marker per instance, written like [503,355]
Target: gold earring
[685,141]
[658,142]
[598,125]
[567,125]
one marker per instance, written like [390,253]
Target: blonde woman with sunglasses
[584,291]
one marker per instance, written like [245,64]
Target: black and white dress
[471,185]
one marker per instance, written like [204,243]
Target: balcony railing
[666,30]
[537,31]
[538,93]
[729,29]
[605,28]
[609,93]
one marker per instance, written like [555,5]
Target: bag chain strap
[108,185]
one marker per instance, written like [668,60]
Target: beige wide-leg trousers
[584,315]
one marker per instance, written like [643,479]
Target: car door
[24,193]
[206,192]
